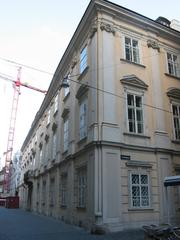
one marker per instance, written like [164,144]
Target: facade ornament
[153,44]
[93,30]
[107,27]
[74,61]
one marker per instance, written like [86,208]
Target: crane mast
[12,125]
[8,159]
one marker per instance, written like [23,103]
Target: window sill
[172,76]
[65,152]
[81,208]
[136,64]
[63,206]
[175,141]
[83,73]
[140,209]
[136,135]
[83,140]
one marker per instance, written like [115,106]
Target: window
[83,119]
[172,64]
[66,89]
[135,113]
[132,50]
[46,152]
[139,190]
[176,120]
[40,156]
[56,104]
[83,59]
[64,189]
[66,134]
[82,187]
[54,142]
[43,192]
[48,116]
[52,192]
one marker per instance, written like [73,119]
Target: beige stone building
[98,150]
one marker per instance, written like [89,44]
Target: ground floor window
[139,188]
[52,192]
[82,187]
[63,198]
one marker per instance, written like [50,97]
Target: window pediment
[174,93]
[82,90]
[133,80]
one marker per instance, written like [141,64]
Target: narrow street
[16,224]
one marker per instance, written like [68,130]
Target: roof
[172,181]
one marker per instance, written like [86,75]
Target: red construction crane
[8,159]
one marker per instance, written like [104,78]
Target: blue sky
[36,33]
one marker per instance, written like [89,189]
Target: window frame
[67,89]
[48,116]
[177,104]
[54,145]
[83,117]
[63,190]
[66,134]
[56,103]
[135,94]
[52,192]
[174,65]
[83,59]
[140,185]
[132,57]
[82,187]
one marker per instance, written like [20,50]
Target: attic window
[163,21]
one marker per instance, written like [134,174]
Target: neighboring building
[1,181]
[15,173]
[97,152]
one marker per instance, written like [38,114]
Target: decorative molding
[134,81]
[74,62]
[93,30]
[82,90]
[65,112]
[174,93]
[133,163]
[153,44]
[107,27]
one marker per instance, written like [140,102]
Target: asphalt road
[16,224]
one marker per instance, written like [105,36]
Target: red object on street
[12,202]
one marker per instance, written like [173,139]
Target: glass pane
[144,179]
[135,196]
[140,127]
[135,43]
[135,179]
[168,56]
[144,196]
[138,101]
[130,99]
[175,110]
[139,115]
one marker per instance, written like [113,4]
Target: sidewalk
[16,224]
